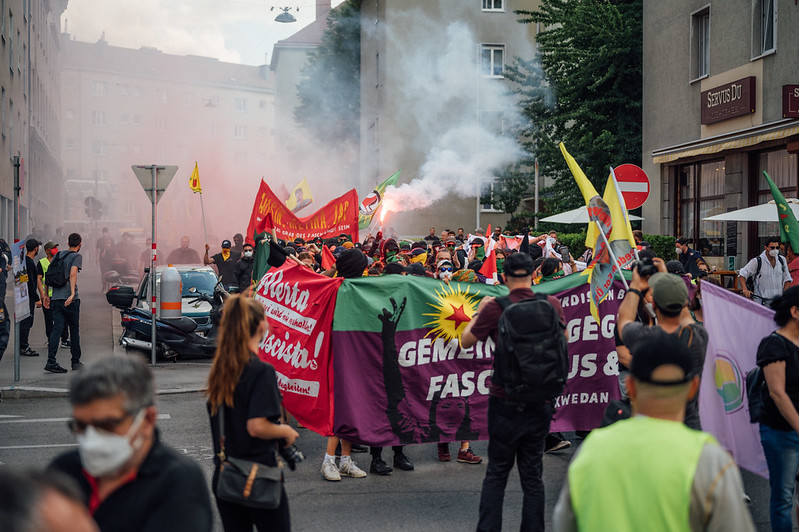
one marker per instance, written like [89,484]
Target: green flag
[789,227]
[371,203]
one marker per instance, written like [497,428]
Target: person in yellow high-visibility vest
[651,472]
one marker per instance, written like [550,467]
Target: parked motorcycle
[175,337]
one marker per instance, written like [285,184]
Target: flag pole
[613,258]
[623,205]
[202,210]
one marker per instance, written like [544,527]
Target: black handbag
[245,482]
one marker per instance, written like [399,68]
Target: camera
[646,267]
[292,455]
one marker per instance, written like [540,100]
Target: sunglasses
[106,425]
[445,269]
[774,247]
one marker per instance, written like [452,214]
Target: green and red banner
[393,361]
[338,216]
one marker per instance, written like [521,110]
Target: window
[493,5]
[701,194]
[764,27]
[160,95]
[488,195]
[241,105]
[493,60]
[240,132]
[99,118]
[138,92]
[136,120]
[262,104]
[123,89]
[700,43]
[99,89]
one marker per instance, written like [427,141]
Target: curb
[36,392]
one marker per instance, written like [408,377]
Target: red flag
[489,269]
[328,260]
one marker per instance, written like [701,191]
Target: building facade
[30,131]
[125,107]
[721,105]
[431,71]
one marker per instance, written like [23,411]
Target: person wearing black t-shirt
[245,388]
[778,355]
[225,262]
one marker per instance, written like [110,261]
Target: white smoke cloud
[444,98]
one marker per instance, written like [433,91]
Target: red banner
[299,305]
[338,216]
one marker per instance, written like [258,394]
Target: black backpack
[755,389]
[57,274]
[750,281]
[531,356]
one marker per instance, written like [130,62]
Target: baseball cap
[675,266]
[442,263]
[226,244]
[658,348]
[668,291]
[50,245]
[517,262]
[348,245]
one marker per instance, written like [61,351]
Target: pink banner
[735,326]
[299,306]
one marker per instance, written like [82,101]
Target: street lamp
[285,16]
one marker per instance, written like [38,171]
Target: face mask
[678,251]
[248,254]
[560,273]
[225,254]
[774,252]
[102,453]
[500,263]
[480,253]
[444,276]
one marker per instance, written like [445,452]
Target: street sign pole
[154,174]
[17,188]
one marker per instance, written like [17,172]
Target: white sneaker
[330,471]
[350,469]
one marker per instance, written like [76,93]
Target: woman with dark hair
[778,356]
[244,389]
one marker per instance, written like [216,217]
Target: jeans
[64,316]
[782,457]
[25,328]
[514,435]
[48,325]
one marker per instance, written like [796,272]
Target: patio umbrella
[767,212]
[577,216]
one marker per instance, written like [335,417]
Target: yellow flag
[194,180]
[622,230]
[585,185]
[300,197]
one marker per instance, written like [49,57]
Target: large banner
[731,354]
[338,216]
[593,362]
[402,377]
[299,306]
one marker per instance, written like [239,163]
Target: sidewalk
[99,332]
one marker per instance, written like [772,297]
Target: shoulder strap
[504,302]
[759,265]
[221,417]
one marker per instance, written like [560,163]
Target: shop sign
[728,100]
[790,101]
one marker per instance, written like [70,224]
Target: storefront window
[701,194]
[781,167]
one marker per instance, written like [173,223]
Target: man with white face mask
[243,269]
[769,273]
[129,479]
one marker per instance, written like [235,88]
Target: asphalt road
[435,496]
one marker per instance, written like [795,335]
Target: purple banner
[441,393]
[593,362]
[731,354]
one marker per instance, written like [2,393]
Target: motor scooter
[175,337]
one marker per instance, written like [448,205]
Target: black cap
[658,348]
[517,263]
[675,266]
[226,244]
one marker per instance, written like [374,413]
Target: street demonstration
[454,338]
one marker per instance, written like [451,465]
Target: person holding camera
[669,301]
[245,389]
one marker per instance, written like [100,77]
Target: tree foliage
[329,91]
[591,54]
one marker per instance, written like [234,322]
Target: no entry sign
[634,185]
